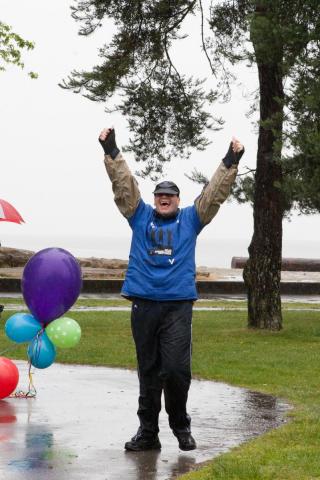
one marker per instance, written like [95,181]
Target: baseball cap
[167,187]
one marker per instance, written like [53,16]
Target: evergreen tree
[168,111]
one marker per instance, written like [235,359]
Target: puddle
[82,416]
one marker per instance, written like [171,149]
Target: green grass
[285,364]
[122,302]
[90,302]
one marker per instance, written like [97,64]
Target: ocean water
[215,252]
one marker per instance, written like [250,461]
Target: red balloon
[9,377]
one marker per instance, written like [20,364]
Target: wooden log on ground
[288,264]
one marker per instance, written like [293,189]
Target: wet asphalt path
[77,426]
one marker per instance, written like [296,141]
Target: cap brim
[166,190]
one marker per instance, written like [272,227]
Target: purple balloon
[51,283]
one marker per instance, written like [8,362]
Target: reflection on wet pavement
[77,426]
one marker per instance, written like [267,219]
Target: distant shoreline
[13,260]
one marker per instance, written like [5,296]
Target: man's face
[166,204]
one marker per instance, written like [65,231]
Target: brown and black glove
[109,144]
[232,158]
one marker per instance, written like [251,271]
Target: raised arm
[124,185]
[218,189]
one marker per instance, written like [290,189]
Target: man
[160,281]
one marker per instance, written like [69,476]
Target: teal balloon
[41,351]
[22,327]
[64,332]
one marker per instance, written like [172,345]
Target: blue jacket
[162,255]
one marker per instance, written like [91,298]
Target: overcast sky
[52,167]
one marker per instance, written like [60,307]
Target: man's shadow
[145,463]
[148,464]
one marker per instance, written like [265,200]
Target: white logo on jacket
[171,261]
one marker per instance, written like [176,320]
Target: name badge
[161,251]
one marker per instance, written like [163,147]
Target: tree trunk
[263,269]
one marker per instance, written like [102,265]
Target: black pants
[162,335]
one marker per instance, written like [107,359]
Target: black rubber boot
[186,441]
[141,442]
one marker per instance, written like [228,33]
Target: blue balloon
[22,327]
[41,351]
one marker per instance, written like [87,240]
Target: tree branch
[172,66]
[249,170]
[178,22]
[203,40]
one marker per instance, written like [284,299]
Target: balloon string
[32,392]
[37,346]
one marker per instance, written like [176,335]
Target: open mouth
[164,203]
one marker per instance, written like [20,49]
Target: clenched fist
[107,138]
[235,152]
